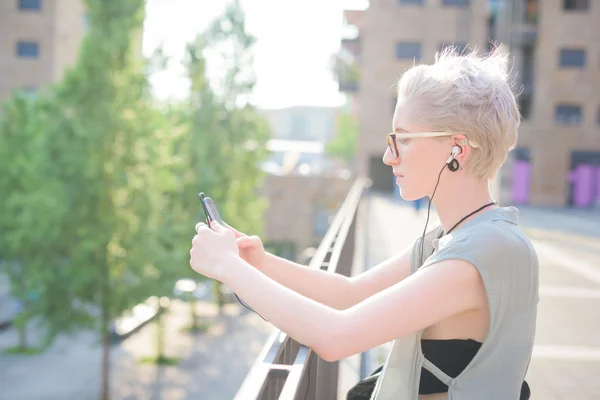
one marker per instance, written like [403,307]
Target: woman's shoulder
[496,232]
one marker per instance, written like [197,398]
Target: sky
[295,40]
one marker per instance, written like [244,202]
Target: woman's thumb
[244,241]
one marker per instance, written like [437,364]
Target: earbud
[452,162]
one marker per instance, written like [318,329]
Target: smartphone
[210,210]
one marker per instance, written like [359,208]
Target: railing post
[307,390]
[327,381]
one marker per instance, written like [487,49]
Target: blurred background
[116,113]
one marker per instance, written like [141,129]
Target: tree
[343,146]
[85,196]
[226,137]
[30,209]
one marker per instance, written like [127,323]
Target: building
[299,137]
[306,123]
[557,160]
[300,209]
[39,39]
[304,186]
[555,44]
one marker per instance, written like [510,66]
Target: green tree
[87,191]
[226,137]
[31,209]
[343,146]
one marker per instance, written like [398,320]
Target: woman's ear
[462,142]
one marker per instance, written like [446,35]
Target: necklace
[476,211]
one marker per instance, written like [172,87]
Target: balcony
[287,370]
[523,34]
[524,29]
[352,46]
[515,23]
[373,226]
[348,78]
[527,80]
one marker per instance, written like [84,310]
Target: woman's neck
[456,202]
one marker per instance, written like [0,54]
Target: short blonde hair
[467,94]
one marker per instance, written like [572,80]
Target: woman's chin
[408,196]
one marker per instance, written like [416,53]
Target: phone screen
[210,210]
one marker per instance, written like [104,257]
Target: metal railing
[285,369]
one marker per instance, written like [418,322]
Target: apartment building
[557,59]
[555,44]
[38,40]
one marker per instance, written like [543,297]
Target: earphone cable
[248,307]
[428,212]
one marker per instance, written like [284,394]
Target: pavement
[8,305]
[213,364]
[566,221]
[566,357]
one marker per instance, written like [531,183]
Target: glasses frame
[393,137]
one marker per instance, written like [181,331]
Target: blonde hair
[471,95]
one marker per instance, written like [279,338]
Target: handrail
[283,370]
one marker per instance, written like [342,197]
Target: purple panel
[597,184]
[584,182]
[521,175]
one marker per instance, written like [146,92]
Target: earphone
[452,161]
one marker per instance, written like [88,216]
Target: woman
[461,304]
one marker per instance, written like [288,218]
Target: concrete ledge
[133,320]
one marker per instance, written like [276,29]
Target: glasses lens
[392,146]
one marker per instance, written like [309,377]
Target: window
[456,3]
[30,4]
[527,68]
[408,50]
[522,153]
[576,5]
[460,47]
[28,49]
[525,101]
[418,2]
[572,58]
[568,114]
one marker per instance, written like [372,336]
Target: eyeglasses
[393,137]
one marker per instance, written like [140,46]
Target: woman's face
[420,160]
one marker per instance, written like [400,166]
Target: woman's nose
[388,157]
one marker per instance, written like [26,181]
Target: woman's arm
[335,290]
[424,298]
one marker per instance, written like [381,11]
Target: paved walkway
[577,222]
[214,364]
[566,359]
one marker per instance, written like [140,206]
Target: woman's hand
[213,250]
[250,248]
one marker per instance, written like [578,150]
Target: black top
[451,356]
